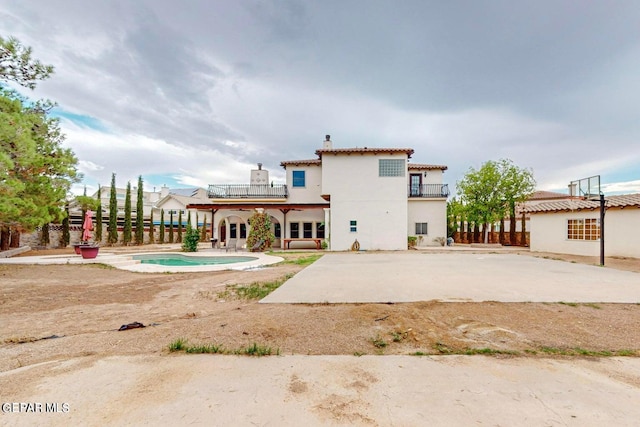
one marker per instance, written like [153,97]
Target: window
[307,230]
[319,230]
[583,229]
[233,231]
[391,167]
[353,226]
[243,231]
[421,228]
[276,230]
[295,230]
[298,179]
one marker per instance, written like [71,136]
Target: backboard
[587,188]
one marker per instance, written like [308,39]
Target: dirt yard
[64,311]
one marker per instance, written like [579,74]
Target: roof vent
[327,144]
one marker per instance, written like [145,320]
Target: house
[174,202]
[572,226]
[364,197]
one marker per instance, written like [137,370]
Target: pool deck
[126,261]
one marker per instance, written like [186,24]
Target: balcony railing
[247,191]
[429,190]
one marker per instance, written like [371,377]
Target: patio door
[415,184]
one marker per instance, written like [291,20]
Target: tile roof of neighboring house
[423,166]
[547,195]
[185,200]
[364,150]
[187,192]
[308,162]
[577,204]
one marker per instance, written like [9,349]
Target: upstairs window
[353,226]
[298,178]
[391,167]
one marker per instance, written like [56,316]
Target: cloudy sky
[197,92]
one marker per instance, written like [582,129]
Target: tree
[203,230]
[140,213]
[191,237]
[161,236]
[179,238]
[99,216]
[17,65]
[36,172]
[44,235]
[517,184]
[455,210]
[126,232]
[112,237]
[481,192]
[152,237]
[66,235]
[492,190]
[170,226]
[260,233]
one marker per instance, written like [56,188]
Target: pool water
[178,260]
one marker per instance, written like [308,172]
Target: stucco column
[327,226]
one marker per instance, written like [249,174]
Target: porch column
[327,226]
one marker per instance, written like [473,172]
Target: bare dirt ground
[58,312]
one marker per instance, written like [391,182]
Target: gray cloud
[550,84]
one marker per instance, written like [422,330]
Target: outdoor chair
[231,244]
[257,245]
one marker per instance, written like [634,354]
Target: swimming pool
[179,260]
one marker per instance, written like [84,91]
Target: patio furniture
[231,244]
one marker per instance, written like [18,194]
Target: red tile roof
[577,204]
[308,162]
[423,166]
[364,150]
[547,195]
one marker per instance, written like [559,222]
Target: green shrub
[412,241]
[191,239]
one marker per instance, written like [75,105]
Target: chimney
[164,191]
[327,144]
[259,176]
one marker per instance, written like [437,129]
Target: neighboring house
[534,199]
[372,195]
[573,226]
[176,200]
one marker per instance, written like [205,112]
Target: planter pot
[76,247]
[89,252]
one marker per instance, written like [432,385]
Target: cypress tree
[126,232]
[161,226]
[171,227]
[66,235]
[44,236]
[140,214]
[179,239]
[112,238]
[152,238]
[203,231]
[189,219]
[99,216]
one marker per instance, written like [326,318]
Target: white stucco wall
[378,204]
[622,232]
[311,192]
[431,211]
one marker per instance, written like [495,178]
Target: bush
[190,240]
[260,232]
[412,241]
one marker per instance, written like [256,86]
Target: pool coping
[126,262]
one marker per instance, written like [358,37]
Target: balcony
[429,190]
[247,191]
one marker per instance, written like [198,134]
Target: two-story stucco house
[374,196]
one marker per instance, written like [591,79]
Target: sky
[198,92]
